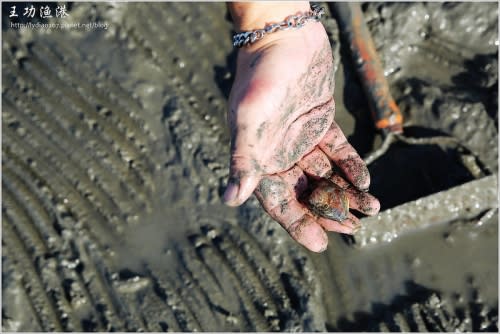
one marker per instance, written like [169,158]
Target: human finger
[279,200]
[347,226]
[296,180]
[345,157]
[362,201]
[316,164]
[307,232]
[358,200]
[339,181]
[242,181]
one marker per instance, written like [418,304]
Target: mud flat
[115,151]
[475,199]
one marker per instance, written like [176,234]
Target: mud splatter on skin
[262,127]
[269,187]
[273,194]
[283,206]
[317,167]
[363,200]
[350,166]
[235,178]
[331,79]
[311,133]
[323,169]
[296,228]
[321,65]
[315,78]
[331,146]
[313,129]
[280,158]
[256,166]
[289,109]
[321,72]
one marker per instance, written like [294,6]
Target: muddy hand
[282,194]
[281,114]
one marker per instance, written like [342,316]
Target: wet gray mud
[115,153]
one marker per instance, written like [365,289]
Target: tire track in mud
[234,266]
[63,199]
[219,253]
[45,310]
[125,150]
[55,128]
[212,284]
[189,84]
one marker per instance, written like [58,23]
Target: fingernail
[231,193]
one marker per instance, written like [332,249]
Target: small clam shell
[329,201]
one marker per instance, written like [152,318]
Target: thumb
[241,183]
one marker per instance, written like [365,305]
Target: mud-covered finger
[239,189]
[307,232]
[277,198]
[295,179]
[339,181]
[362,201]
[275,195]
[316,164]
[347,226]
[335,145]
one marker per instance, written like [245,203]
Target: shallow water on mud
[115,152]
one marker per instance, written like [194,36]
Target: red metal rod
[385,112]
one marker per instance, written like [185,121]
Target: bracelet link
[300,21]
[257,34]
[272,28]
[294,21]
[290,22]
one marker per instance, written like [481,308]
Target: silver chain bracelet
[294,21]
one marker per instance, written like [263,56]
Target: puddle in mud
[115,153]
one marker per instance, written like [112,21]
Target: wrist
[255,15]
